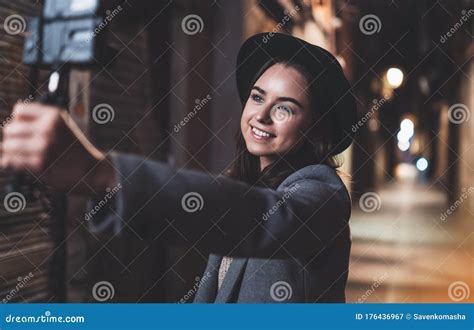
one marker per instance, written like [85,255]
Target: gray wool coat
[291,244]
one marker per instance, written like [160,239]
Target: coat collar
[208,293]
[232,280]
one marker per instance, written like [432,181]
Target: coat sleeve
[225,216]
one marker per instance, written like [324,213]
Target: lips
[261,130]
[261,135]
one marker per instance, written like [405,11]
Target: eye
[284,108]
[256,98]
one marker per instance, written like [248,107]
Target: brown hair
[314,150]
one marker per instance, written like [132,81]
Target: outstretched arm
[229,217]
[225,216]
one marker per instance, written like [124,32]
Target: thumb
[80,136]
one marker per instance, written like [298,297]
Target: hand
[45,142]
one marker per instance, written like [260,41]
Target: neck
[265,161]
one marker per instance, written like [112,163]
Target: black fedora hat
[337,100]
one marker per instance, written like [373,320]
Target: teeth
[260,133]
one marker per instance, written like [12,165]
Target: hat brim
[323,66]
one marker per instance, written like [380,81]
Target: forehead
[283,80]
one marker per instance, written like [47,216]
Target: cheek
[290,130]
[290,133]
[246,115]
[243,122]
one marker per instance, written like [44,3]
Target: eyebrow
[281,98]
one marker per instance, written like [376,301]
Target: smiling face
[276,114]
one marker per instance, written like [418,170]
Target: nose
[264,115]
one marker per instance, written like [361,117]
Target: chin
[259,154]
[259,150]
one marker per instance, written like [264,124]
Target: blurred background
[412,164]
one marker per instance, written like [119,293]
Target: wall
[26,243]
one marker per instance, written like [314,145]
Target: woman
[276,225]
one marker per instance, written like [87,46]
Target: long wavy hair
[315,148]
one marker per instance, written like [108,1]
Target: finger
[3,160]
[31,111]
[18,148]
[10,162]
[80,136]
[18,130]
[18,134]
[21,161]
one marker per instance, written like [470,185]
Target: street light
[407,129]
[394,77]
[422,164]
